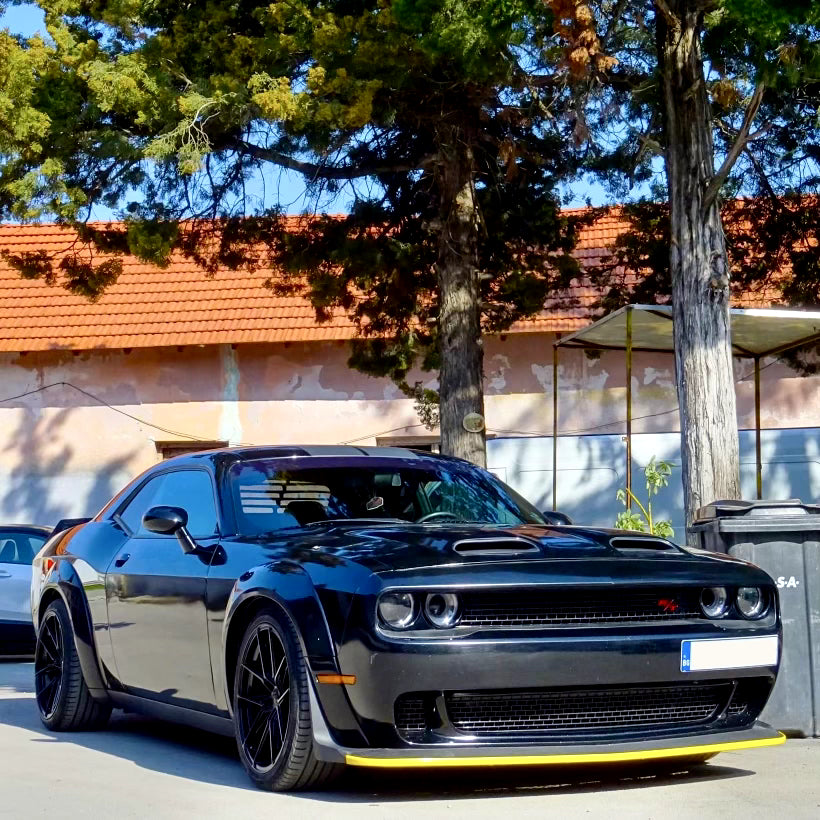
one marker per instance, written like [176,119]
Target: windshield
[267,497]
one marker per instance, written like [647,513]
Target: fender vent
[496,546]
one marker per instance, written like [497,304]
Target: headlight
[751,602]
[442,609]
[397,609]
[714,602]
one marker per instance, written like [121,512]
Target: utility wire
[104,404]
[530,433]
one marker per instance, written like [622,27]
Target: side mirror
[165,520]
[170,521]
[555,517]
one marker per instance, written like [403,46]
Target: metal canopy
[755,332]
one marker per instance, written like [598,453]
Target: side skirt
[174,714]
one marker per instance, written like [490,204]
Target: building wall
[63,451]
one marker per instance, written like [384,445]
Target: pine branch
[320,171]
[663,8]
[741,141]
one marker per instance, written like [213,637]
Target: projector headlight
[714,602]
[397,609]
[751,602]
[442,609]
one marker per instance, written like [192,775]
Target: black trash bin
[783,538]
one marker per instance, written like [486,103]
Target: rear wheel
[63,698]
[271,706]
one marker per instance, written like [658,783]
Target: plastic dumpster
[783,538]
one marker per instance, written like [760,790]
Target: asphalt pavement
[142,768]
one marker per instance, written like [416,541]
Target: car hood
[396,547]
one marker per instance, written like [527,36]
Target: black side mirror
[170,521]
[555,517]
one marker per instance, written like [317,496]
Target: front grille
[579,710]
[556,607]
[411,718]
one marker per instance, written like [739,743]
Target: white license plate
[728,653]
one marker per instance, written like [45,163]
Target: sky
[288,189]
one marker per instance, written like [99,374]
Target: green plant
[657,476]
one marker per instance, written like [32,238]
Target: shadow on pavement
[150,744]
[363,786]
[208,758]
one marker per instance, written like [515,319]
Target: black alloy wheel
[271,704]
[63,698]
[48,664]
[263,698]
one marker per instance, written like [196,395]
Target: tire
[271,707]
[63,699]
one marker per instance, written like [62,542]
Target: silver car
[18,546]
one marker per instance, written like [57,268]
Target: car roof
[33,529]
[307,451]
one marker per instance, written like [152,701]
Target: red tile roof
[179,305]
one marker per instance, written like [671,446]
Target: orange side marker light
[327,678]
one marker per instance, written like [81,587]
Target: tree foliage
[181,116]
[769,193]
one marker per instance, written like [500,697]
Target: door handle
[122,559]
[4,574]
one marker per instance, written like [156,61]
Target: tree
[697,83]
[436,118]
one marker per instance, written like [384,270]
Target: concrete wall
[63,453]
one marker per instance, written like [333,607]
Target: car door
[156,594]
[17,551]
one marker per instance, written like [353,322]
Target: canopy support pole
[758,454]
[555,427]
[629,407]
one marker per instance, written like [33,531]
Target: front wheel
[271,708]
[63,698]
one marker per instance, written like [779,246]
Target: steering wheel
[439,514]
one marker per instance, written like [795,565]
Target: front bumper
[386,669]
[457,756]
[755,737]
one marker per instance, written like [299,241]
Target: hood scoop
[630,543]
[496,547]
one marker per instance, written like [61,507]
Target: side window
[193,491]
[141,503]
[19,548]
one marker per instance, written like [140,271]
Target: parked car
[18,546]
[333,606]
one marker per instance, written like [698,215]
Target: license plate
[728,653]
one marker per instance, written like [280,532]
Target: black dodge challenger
[335,606]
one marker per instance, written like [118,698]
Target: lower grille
[579,710]
[411,716]
[548,607]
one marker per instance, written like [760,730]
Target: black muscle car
[385,608]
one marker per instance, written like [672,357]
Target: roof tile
[180,305]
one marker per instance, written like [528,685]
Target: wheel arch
[65,585]
[288,591]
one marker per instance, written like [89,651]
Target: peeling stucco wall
[64,452]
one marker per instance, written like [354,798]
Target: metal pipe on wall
[758,452]
[554,427]
[629,407]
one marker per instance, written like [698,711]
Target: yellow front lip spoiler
[560,759]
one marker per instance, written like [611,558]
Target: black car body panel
[158,627]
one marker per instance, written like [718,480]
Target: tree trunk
[462,355]
[699,267]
